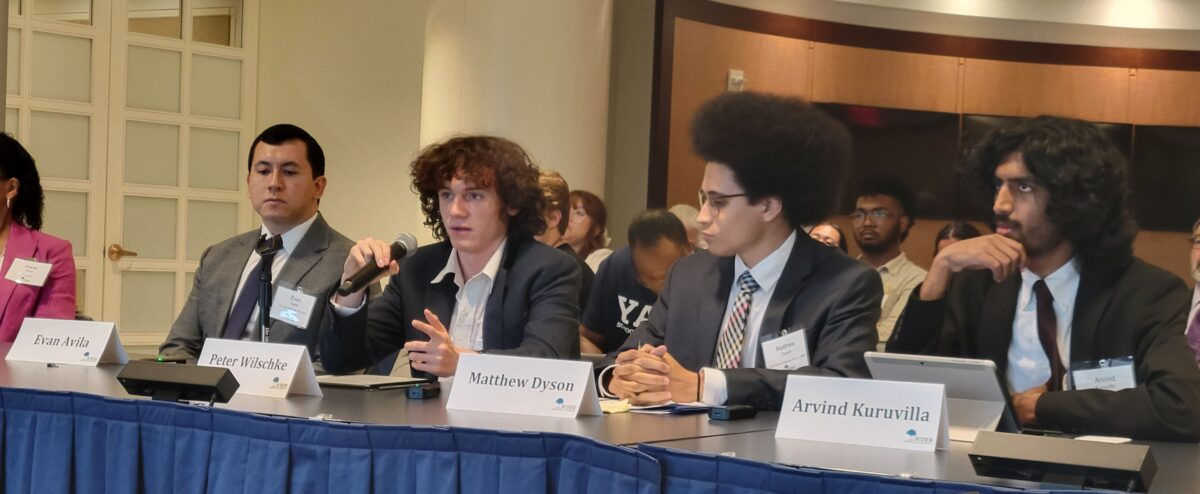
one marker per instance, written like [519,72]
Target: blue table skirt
[55,442]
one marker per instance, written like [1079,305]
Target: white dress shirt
[1028,366]
[291,239]
[1195,306]
[766,273]
[466,324]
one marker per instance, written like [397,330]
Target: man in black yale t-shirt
[627,283]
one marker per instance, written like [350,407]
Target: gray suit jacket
[316,266]
[835,299]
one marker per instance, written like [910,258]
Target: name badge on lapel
[788,351]
[28,272]
[292,306]
[1112,374]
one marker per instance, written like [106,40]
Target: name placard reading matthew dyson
[525,386]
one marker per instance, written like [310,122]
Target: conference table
[393,407]
[750,439]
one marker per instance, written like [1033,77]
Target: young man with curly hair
[487,286]
[773,164]
[1057,290]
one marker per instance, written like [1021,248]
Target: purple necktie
[1193,335]
[1047,324]
[247,298]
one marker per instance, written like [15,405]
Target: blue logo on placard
[87,354]
[275,380]
[912,433]
[559,401]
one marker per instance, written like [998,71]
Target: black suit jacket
[835,299]
[1139,310]
[532,310]
[587,276]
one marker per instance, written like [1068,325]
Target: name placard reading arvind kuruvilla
[524,386]
[864,412]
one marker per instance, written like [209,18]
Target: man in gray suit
[716,333]
[286,181]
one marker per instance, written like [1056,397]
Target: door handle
[116,252]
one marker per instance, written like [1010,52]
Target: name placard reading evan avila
[264,369]
[58,341]
[525,386]
[864,412]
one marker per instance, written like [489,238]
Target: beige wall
[349,72]
[534,71]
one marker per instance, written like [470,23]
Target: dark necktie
[1047,325]
[1193,335]
[247,299]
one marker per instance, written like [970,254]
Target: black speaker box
[1057,460]
[175,382]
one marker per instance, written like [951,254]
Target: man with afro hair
[772,164]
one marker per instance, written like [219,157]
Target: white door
[58,82]
[146,154]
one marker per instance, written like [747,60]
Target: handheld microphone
[404,245]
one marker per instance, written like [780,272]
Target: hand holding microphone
[367,262]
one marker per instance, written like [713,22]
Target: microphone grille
[408,241]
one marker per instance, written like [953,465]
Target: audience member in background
[496,288]
[628,282]
[773,164]
[884,213]
[286,181]
[687,214]
[21,238]
[1057,290]
[953,232]
[586,230]
[1193,328]
[829,234]
[556,194]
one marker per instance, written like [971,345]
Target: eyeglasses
[716,202]
[858,217]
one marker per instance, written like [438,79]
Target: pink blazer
[55,299]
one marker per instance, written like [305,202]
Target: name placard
[523,386]
[264,369]
[864,412]
[63,341]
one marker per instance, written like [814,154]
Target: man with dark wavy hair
[773,164]
[475,290]
[1056,298]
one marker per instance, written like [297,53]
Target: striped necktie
[733,332]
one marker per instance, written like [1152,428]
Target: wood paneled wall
[890,79]
[703,54]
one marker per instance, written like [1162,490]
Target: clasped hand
[649,375]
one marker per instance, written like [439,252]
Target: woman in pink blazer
[20,220]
